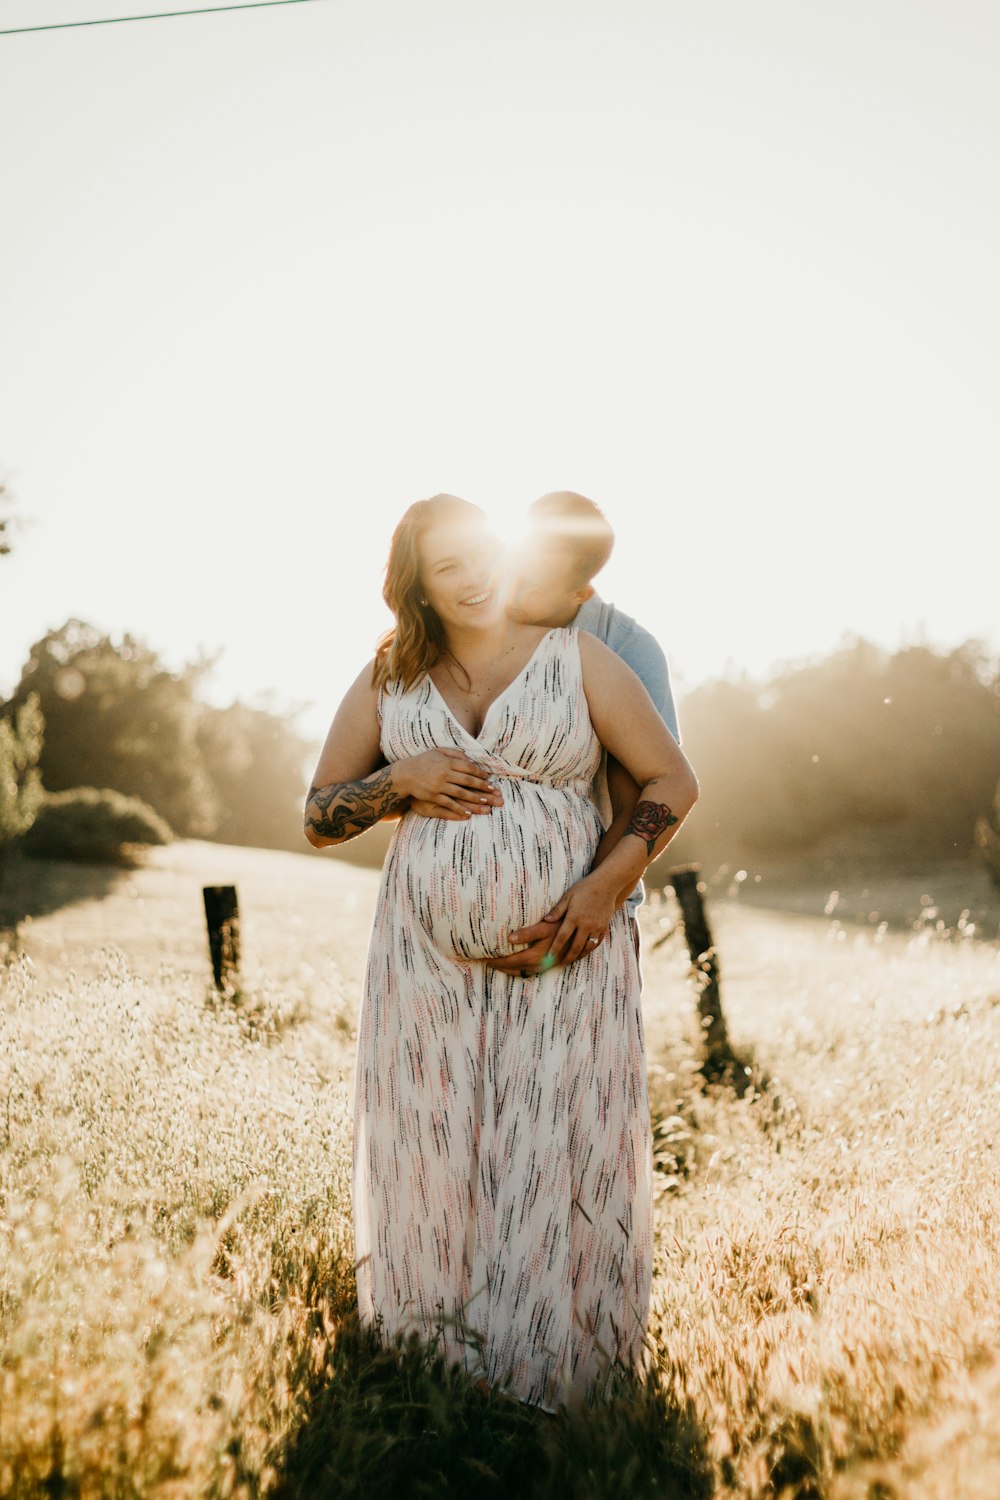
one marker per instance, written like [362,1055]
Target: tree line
[865,757]
[90,711]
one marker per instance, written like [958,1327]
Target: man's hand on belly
[582,916]
[533,959]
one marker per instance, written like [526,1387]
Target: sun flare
[508,525]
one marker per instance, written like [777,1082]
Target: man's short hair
[577,524]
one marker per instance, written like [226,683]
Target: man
[569,540]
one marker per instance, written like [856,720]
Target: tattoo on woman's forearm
[344,809]
[649,820]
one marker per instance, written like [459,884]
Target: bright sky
[730,269]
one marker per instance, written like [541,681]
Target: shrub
[103,827]
[21,733]
[116,717]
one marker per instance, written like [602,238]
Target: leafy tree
[886,757]
[115,717]
[257,763]
[20,782]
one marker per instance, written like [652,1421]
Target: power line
[207,10]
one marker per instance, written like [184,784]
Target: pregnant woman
[502,1152]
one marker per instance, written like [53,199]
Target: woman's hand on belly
[446,784]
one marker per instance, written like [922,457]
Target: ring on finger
[592,941]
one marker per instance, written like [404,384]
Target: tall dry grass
[176,1291]
[174,1183]
[832,1256]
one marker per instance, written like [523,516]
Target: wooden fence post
[222,917]
[688,889]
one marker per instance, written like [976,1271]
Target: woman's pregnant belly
[472,883]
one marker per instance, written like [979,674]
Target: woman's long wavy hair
[417,639]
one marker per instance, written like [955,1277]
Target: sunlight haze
[270,276]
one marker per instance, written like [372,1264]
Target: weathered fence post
[222,917]
[688,889]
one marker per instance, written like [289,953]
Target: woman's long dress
[502,1149]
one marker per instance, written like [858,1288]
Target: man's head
[569,540]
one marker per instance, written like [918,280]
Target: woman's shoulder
[404,694]
[559,637]
[562,639]
[591,649]
[362,696]
[364,685]
[599,665]
[581,650]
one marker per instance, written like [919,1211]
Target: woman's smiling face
[460,567]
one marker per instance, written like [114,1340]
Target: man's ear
[587,592]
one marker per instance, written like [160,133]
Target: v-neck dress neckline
[477,739]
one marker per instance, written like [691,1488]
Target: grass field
[176,1289]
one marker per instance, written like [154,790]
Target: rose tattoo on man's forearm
[649,820]
[343,809]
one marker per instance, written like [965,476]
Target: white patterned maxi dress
[502,1149]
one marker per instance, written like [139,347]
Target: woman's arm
[353,788]
[631,730]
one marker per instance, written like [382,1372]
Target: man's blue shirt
[642,653]
[637,648]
